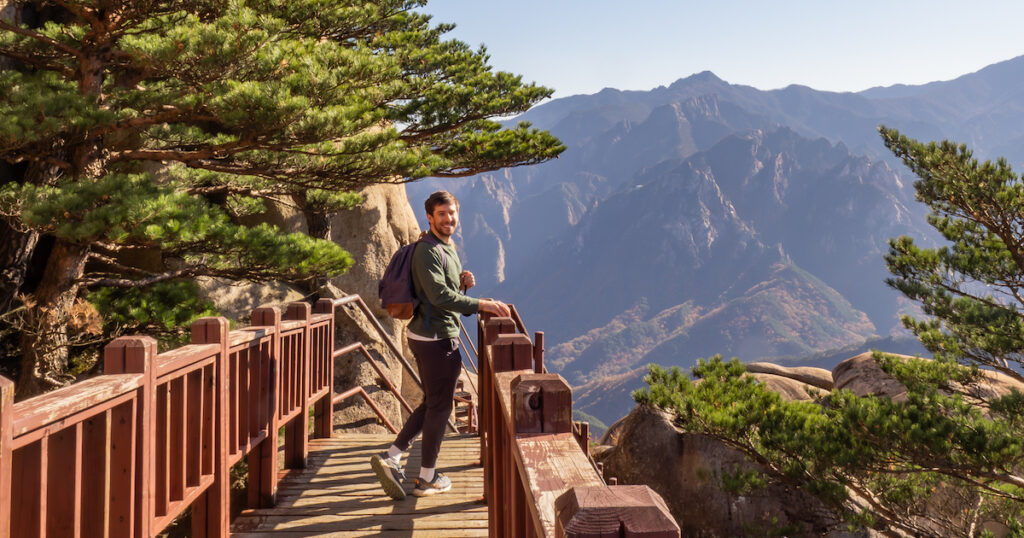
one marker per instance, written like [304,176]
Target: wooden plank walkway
[338,494]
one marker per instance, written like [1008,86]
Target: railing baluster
[65,502]
[210,512]
[6,454]
[263,458]
[297,430]
[94,474]
[134,355]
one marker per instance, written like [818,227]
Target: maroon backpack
[395,287]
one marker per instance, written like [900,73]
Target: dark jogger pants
[440,363]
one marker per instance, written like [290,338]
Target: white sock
[395,454]
[426,473]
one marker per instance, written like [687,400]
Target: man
[433,335]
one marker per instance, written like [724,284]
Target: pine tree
[132,127]
[884,463]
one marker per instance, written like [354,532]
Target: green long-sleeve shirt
[437,283]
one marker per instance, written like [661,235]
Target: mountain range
[707,218]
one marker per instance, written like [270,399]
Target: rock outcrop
[789,389]
[371,232]
[684,469]
[817,377]
[645,447]
[863,376]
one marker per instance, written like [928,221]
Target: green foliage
[156,126]
[871,459]
[971,286]
[165,310]
[949,453]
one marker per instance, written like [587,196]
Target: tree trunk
[16,249]
[16,246]
[44,338]
[319,225]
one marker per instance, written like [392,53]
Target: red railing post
[323,414]
[613,511]
[538,352]
[6,453]
[512,352]
[134,355]
[262,488]
[296,445]
[489,328]
[211,511]
[541,403]
[508,352]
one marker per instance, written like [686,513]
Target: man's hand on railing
[497,308]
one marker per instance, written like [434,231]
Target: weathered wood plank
[96,476]
[72,404]
[339,495]
[180,361]
[444,533]
[553,463]
[592,512]
[64,503]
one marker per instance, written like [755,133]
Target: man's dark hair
[439,198]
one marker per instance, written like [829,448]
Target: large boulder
[863,376]
[789,389]
[372,232]
[817,377]
[685,468]
[237,299]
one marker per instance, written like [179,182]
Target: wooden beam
[497,326]
[613,511]
[548,465]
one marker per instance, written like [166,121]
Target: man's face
[444,220]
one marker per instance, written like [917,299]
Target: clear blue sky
[582,46]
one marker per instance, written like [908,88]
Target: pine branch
[4,25]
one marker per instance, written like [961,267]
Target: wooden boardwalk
[338,494]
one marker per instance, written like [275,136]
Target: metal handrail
[517,319]
[470,340]
[391,386]
[360,391]
[355,298]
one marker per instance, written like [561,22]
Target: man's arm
[429,270]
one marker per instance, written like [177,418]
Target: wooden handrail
[539,480]
[124,453]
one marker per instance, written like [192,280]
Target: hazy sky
[582,46]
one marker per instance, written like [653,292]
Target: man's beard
[439,232]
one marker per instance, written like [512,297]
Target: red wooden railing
[538,481]
[126,452]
